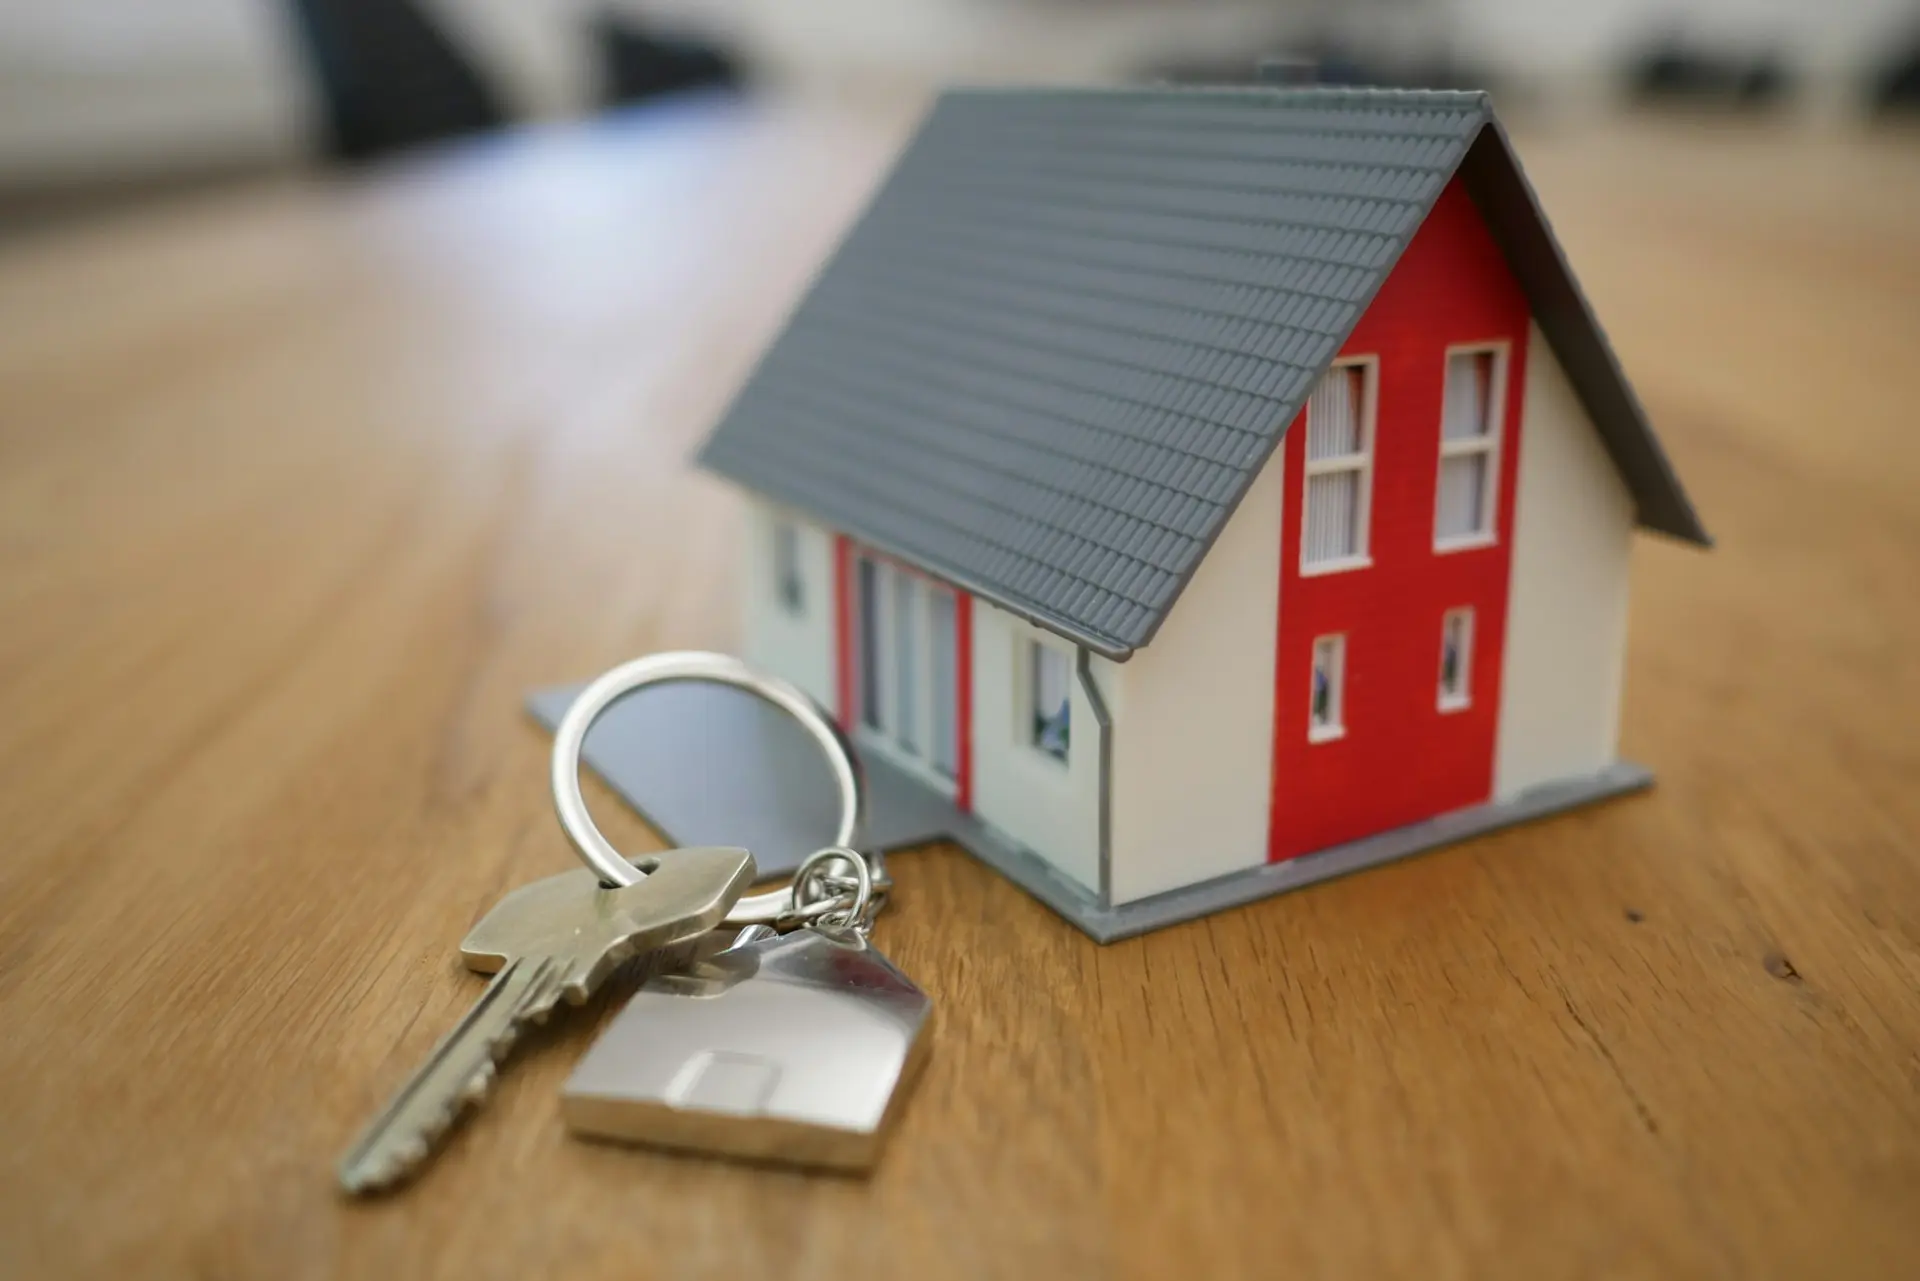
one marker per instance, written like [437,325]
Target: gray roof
[1052,355]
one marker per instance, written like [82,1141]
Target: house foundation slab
[705,765]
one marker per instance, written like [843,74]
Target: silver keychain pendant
[796,1048]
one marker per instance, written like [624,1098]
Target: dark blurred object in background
[635,65]
[1894,89]
[389,78]
[1670,71]
[1328,63]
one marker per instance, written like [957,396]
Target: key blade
[456,1074]
[691,892]
[555,938]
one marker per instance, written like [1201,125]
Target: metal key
[557,938]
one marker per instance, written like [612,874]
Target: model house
[1201,492]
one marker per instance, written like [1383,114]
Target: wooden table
[302,487]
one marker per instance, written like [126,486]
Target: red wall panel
[1402,758]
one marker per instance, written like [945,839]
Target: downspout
[1083,668]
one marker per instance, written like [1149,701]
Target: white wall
[1567,607]
[1193,715]
[796,648]
[1050,808]
[98,89]
[1548,40]
[838,44]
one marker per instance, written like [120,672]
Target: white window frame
[1361,462]
[1335,726]
[1027,673]
[1462,697]
[788,570]
[1489,444]
[883,731]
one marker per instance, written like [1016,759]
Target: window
[788,583]
[907,692]
[1326,694]
[1050,698]
[1339,469]
[1469,446]
[1456,659]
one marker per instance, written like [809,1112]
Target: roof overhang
[1492,175]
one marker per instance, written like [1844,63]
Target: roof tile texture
[1052,354]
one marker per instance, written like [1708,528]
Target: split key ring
[720,669]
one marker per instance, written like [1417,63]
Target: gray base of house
[705,765]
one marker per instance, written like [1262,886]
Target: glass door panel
[907,654]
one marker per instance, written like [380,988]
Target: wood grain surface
[302,487]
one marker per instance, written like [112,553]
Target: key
[555,939]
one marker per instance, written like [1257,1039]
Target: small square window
[1456,659]
[788,582]
[1049,698]
[1326,693]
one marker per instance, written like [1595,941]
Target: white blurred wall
[1826,43]
[1821,36]
[848,44]
[99,88]
[91,89]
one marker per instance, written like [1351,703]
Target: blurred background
[103,102]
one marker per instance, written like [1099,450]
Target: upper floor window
[1049,698]
[1456,659]
[1469,447]
[789,584]
[1339,469]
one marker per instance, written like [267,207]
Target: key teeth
[524,991]
[409,1156]
[481,1084]
[393,1168]
[397,1163]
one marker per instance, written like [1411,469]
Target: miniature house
[1203,492]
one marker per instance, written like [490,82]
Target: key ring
[721,669]
[824,895]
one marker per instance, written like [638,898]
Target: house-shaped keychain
[1188,494]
